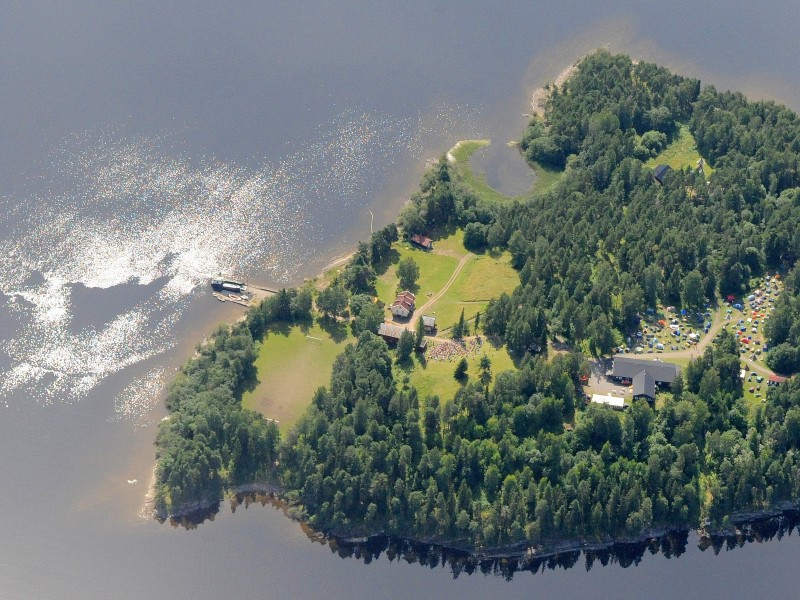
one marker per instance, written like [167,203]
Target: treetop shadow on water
[508,562]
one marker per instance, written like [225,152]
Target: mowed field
[290,367]
[484,277]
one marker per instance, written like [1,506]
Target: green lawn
[484,277]
[434,271]
[452,242]
[436,377]
[545,178]
[682,152]
[291,365]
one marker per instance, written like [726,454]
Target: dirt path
[716,326]
[420,311]
[696,351]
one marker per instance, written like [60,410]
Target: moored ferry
[228,285]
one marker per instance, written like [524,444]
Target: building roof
[644,385]
[660,172]
[422,240]
[776,379]
[611,401]
[428,321]
[628,368]
[406,294]
[405,303]
[390,331]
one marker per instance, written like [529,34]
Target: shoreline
[540,95]
[742,526]
[521,550]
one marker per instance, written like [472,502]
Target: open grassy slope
[291,365]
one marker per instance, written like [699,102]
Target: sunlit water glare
[114,211]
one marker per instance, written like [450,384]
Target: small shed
[660,172]
[429,323]
[422,241]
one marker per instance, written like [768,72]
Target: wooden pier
[254,295]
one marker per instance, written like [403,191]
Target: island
[605,358]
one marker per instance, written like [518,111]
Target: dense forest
[516,457]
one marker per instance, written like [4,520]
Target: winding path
[419,311]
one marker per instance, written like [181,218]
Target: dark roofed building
[628,368]
[422,241]
[391,334]
[429,323]
[660,172]
[645,375]
[644,387]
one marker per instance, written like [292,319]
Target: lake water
[146,147]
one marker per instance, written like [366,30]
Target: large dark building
[644,375]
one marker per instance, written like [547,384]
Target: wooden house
[403,306]
[422,241]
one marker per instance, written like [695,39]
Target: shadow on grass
[248,384]
[495,341]
[444,231]
[406,366]
[337,330]
[414,289]
[392,258]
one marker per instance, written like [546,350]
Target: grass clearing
[681,153]
[452,243]
[436,377]
[545,179]
[434,271]
[290,367]
[484,277]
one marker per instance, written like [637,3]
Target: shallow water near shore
[146,148]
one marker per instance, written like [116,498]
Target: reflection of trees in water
[761,530]
[671,545]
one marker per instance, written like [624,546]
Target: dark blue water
[148,145]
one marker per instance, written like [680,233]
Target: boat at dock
[228,285]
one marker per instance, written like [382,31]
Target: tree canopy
[517,457]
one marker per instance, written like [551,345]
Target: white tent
[612,401]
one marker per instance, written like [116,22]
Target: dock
[249,295]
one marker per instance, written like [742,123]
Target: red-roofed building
[776,380]
[403,305]
[422,241]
